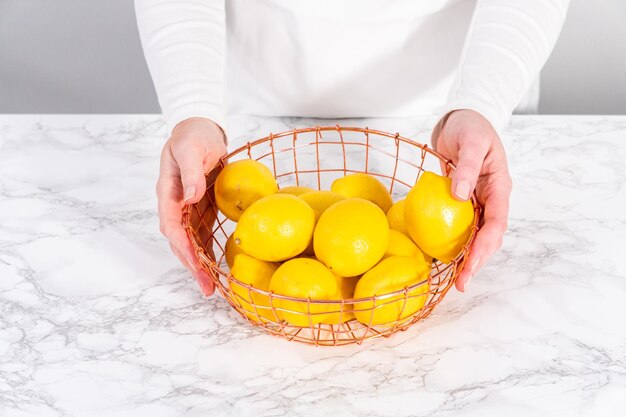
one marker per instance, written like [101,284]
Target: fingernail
[474,265]
[190,192]
[192,265]
[462,190]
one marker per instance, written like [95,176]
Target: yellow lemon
[363,186]
[389,275]
[295,190]
[402,245]
[321,200]
[231,250]
[257,274]
[303,278]
[240,184]
[346,287]
[275,228]
[437,222]
[351,236]
[395,217]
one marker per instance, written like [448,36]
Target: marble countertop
[98,319]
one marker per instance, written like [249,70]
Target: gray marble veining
[98,319]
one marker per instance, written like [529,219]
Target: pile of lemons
[350,242]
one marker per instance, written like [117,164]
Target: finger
[170,216]
[489,238]
[181,258]
[189,156]
[204,280]
[472,154]
[179,240]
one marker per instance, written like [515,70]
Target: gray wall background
[84,56]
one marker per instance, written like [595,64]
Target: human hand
[469,140]
[195,146]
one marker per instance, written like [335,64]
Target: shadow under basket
[314,157]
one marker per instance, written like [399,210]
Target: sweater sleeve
[184,42]
[507,44]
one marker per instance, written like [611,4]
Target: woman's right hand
[195,147]
[471,142]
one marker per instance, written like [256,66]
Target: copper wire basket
[314,157]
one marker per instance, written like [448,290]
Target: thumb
[190,160]
[471,157]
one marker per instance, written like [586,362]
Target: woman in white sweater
[470,61]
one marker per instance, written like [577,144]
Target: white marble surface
[98,319]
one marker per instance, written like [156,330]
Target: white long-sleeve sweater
[346,58]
